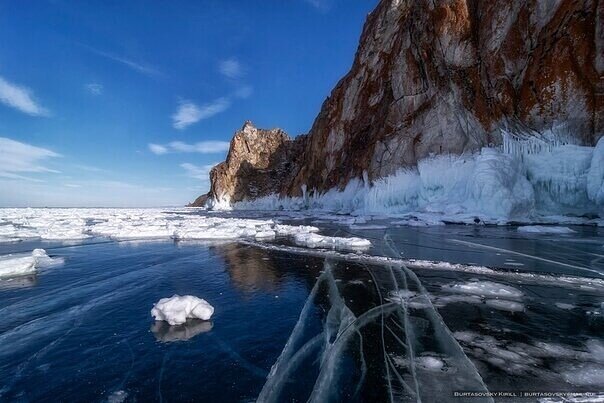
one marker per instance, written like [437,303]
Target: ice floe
[177,309]
[25,263]
[145,224]
[313,240]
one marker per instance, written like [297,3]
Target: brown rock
[442,76]
[257,163]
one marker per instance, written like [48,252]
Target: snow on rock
[177,309]
[312,240]
[545,229]
[21,264]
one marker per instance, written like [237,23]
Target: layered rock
[435,77]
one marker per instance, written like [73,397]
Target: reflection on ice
[19,282]
[167,333]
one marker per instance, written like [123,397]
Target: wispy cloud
[158,149]
[231,68]
[94,88]
[196,171]
[17,158]
[189,113]
[202,147]
[20,98]
[321,5]
[137,66]
[244,92]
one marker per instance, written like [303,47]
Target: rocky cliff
[432,77]
[258,162]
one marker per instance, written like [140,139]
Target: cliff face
[443,76]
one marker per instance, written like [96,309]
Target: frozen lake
[419,312]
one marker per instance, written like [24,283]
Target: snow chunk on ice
[485,289]
[313,240]
[22,264]
[545,229]
[585,374]
[503,305]
[176,309]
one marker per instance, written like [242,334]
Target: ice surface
[525,180]
[119,396]
[177,309]
[417,264]
[408,370]
[580,366]
[22,264]
[545,229]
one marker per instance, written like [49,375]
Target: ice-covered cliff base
[522,180]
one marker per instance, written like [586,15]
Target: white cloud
[136,66]
[94,88]
[157,149]
[244,92]
[17,158]
[20,98]
[189,113]
[202,147]
[198,172]
[230,68]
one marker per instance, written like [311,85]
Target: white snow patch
[503,305]
[21,264]
[176,309]
[431,363]
[545,229]
[485,289]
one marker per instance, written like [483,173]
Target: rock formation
[436,76]
[257,163]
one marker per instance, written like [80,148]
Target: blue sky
[114,103]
